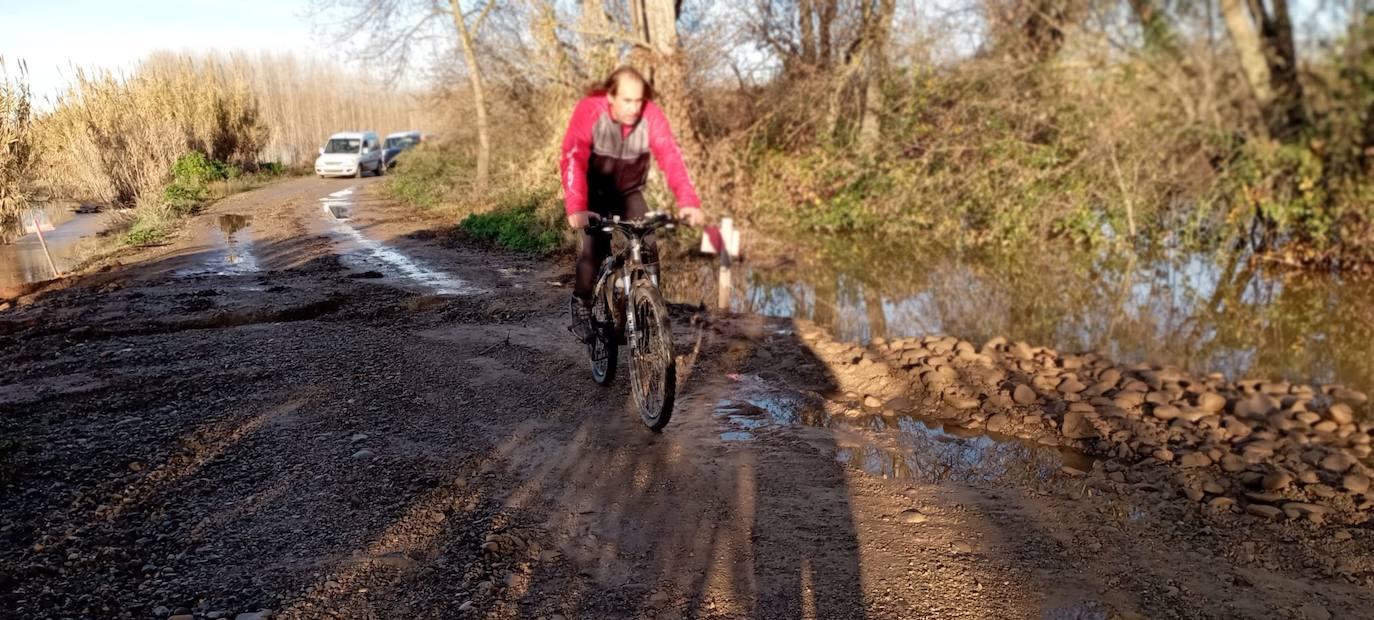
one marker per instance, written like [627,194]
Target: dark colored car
[397,143]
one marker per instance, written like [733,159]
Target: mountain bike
[628,308]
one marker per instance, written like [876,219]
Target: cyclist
[605,159]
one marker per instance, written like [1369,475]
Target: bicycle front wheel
[653,368]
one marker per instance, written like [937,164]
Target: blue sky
[54,36]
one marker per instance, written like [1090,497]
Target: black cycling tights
[595,248]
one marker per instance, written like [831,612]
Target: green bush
[426,175]
[192,175]
[522,222]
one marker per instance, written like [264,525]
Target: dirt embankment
[374,419]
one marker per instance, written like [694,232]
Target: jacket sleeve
[669,157]
[576,152]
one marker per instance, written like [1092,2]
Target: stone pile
[1272,449]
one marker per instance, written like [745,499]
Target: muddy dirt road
[318,404]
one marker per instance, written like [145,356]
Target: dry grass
[114,138]
[16,144]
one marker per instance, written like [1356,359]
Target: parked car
[397,143]
[349,153]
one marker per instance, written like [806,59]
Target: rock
[1265,498]
[1211,402]
[1232,463]
[1325,426]
[1129,400]
[181,617]
[357,437]
[1265,512]
[1221,503]
[1163,455]
[1321,490]
[1308,476]
[1341,413]
[1277,480]
[162,611]
[362,454]
[1195,495]
[1078,427]
[912,515]
[515,581]
[873,402]
[1314,512]
[1023,395]
[1356,483]
[1337,462]
[1348,396]
[961,402]
[466,606]
[1256,405]
[1165,412]
[1213,488]
[1195,459]
[1022,351]
[1342,535]
[255,615]
[1071,386]
[998,423]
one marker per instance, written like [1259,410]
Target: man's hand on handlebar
[694,217]
[579,221]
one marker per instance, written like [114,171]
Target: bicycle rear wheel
[603,351]
[653,368]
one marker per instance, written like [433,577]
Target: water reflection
[893,444]
[1204,312]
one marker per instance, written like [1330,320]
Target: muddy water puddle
[69,235]
[900,445]
[365,254]
[230,249]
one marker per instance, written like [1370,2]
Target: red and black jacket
[603,159]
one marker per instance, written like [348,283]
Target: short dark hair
[612,82]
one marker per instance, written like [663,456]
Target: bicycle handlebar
[648,223]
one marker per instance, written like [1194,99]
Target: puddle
[901,446]
[1204,312]
[364,254]
[68,235]
[233,254]
[338,205]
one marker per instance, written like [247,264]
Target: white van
[349,153]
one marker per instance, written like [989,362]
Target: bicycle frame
[620,270]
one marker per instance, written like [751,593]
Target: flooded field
[1205,313]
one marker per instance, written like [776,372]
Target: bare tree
[479,98]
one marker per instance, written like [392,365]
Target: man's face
[627,101]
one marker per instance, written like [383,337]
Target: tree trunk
[806,14]
[827,18]
[479,99]
[669,76]
[1247,43]
[1283,66]
[878,32]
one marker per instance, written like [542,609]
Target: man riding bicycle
[604,164]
